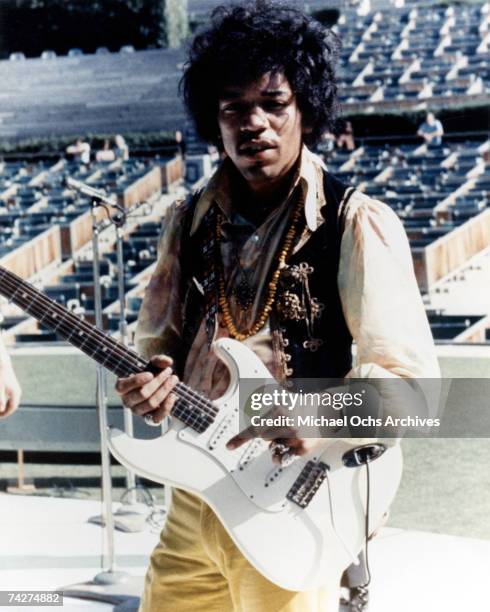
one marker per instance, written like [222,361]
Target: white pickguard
[297,548]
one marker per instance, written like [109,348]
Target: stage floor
[47,544]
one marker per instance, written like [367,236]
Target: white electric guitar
[299,525]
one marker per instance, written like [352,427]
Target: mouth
[255,148]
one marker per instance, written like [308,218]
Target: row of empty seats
[401,56]
[413,55]
[34,196]
[413,181]
[448,327]
[416,183]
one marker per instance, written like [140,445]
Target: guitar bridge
[308,483]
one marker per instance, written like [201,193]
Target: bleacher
[33,197]
[449,327]
[200,9]
[399,58]
[432,190]
[392,59]
[98,93]
[34,200]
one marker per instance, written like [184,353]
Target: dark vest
[309,333]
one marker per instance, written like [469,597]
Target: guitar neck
[192,408]
[113,355]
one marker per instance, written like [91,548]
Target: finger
[164,410]
[145,392]
[9,407]
[241,438]
[14,401]
[155,401]
[148,390]
[162,361]
[125,385]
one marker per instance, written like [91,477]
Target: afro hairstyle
[244,42]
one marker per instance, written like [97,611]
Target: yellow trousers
[196,567]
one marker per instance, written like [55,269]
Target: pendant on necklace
[243,295]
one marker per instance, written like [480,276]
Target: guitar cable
[361,591]
[156,514]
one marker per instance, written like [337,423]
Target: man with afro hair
[274,252]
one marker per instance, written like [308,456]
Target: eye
[274,105]
[233,107]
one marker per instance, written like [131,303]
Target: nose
[255,120]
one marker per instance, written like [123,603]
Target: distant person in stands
[10,390]
[181,145]
[106,154]
[345,138]
[214,153]
[79,151]
[431,131]
[327,142]
[121,150]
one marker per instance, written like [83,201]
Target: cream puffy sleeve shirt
[382,304]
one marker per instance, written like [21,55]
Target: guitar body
[298,548]
[300,525]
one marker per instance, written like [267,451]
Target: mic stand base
[110,577]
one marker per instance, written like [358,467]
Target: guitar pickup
[252,449]
[307,483]
[222,428]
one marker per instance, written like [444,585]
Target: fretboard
[192,408]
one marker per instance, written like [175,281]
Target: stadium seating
[390,58]
[448,327]
[91,93]
[418,184]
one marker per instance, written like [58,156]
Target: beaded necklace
[272,287]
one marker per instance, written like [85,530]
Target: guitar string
[33,306]
[131,360]
[124,356]
[74,318]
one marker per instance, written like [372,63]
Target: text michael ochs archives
[281,408]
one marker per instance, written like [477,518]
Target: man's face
[261,129]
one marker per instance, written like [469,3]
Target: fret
[49,318]
[27,306]
[69,336]
[80,338]
[192,416]
[11,297]
[192,409]
[106,353]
